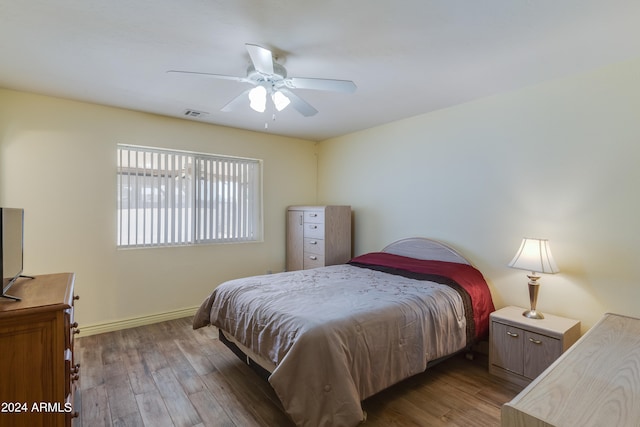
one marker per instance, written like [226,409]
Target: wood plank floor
[167,374]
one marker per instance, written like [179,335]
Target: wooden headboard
[423,248]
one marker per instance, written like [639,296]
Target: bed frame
[423,248]
[413,247]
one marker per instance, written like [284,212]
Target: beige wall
[57,160]
[560,161]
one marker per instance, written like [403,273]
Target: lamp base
[532,314]
[534,287]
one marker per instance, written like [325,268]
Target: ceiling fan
[270,79]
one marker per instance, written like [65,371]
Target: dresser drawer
[313,260]
[68,327]
[314,216]
[314,230]
[68,371]
[313,246]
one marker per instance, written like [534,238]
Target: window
[171,198]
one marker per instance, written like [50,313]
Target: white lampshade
[258,98]
[280,100]
[534,255]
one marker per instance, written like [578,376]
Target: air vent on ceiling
[194,113]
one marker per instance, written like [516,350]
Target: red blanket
[466,276]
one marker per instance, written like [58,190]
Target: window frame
[155,191]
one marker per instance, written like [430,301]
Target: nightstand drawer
[508,347]
[539,352]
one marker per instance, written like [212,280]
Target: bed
[329,337]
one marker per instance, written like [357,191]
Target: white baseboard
[133,322]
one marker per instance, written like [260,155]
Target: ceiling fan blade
[262,58]
[346,86]
[236,102]
[302,106]
[210,75]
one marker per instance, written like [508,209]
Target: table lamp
[534,255]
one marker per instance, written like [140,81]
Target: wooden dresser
[318,236]
[37,370]
[594,383]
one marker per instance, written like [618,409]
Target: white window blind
[169,198]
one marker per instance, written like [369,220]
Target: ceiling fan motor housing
[279,74]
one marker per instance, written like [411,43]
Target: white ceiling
[407,57]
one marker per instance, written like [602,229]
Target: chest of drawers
[37,368]
[318,236]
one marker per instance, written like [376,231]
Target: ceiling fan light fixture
[280,100]
[258,99]
[270,78]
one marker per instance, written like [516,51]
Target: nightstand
[521,348]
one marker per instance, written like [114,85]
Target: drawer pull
[76,297]
[313,215]
[313,242]
[313,227]
[535,341]
[512,334]
[77,331]
[313,257]
[74,325]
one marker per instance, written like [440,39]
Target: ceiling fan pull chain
[273,117]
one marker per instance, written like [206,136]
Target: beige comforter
[337,334]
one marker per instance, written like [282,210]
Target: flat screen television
[11,247]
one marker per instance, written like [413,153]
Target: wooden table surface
[595,383]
